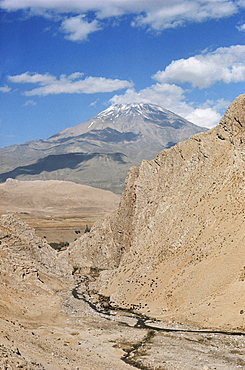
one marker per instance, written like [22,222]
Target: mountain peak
[99,151]
[131,109]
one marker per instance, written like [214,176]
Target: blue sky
[64,61]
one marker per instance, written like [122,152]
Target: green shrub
[59,246]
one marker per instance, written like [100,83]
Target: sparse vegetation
[87,229]
[59,246]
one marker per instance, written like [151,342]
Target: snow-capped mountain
[137,118]
[99,151]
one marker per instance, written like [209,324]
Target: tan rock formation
[28,264]
[32,277]
[175,247]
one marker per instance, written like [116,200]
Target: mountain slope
[174,249]
[98,152]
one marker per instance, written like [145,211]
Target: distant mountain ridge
[98,152]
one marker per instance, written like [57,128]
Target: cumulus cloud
[205,117]
[78,28]
[208,114]
[226,64]
[5,89]
[71,84]
[154,14]
[177,13]
[166,95]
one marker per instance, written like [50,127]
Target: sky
[64,61]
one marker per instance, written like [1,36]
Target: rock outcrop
[175,247]
[31,271]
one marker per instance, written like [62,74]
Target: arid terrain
[157,283]
[174,249]
[47,322]
[57,210]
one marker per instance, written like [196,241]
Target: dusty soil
[57,210]
[57,228]
[69,335]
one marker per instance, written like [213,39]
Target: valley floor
[76,337]
[57,228]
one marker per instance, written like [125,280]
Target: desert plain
[57,210]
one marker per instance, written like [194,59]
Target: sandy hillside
[54,196]
[175,247]
[56,209]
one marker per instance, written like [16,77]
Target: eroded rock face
[176,241]
[109,238]
[31,272]
[20,243]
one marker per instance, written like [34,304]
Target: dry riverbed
[84,340]
[69,331]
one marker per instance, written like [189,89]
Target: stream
[217,349]
[145,322]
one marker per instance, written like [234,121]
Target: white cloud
[205,117]
[33,78]
[168,96]
[241,27]
[153,14]
[78,29]
[208,114]
[176,13]
[29,103]
[5,89]
[94,103]
[68,84]
[165,95]
[224,64]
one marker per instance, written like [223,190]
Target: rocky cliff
[175,247]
